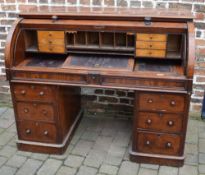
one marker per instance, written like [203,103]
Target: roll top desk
[52,52]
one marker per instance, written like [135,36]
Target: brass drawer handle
[173,103]
[23,92]
[147,142]
[170,123]
[41,93]
[149,121]
[28,131]
[168,145]
[26,110]
[150,101]
[45,133]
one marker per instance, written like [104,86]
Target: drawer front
[150,45]
[151,37]
[150,53]
[153,143]
[159,121]
[47,41]
[161,102]
[30,92]
[50,35]
[37,131]
[50,48]
[35,111]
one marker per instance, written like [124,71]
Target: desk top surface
[107,13]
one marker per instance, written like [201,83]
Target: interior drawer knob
[149,121]
[173,103]
[23,92]
[28,131]
[26,110]
[45,133]
[41,93]
[170,123]
[168,145]
[150,101]
[147,142]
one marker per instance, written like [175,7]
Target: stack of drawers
[159,124]
[36,112]
[51,41]
[151,45]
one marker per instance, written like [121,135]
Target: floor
[99,147]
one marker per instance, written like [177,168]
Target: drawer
[35,111]
[30,92]
[48,41]
[151,37]
[150,45]
[159,121]
[161,102]
[51,48]
[50,35]
[147,142]
[150,53]
[37,131]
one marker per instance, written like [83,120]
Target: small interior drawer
[150,45]
[160,121]
[150,53]
[151,37]
[158,143]
[32,92]
[161,102]
[50,48]
[37,131]
[35,111]
[48,41]
[50,34]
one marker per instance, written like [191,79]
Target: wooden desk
[51,53]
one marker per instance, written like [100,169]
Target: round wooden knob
[23,92]
[50,49]
[147,142]
[44,112]
[45,133]
[173,103]
[50,42]
[34,104]
[150,101]
[169,145]
[170,123]
[149,121]
[26,110]
[28,131]
[150,45]
[41,93]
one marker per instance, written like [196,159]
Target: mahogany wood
[51,53]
